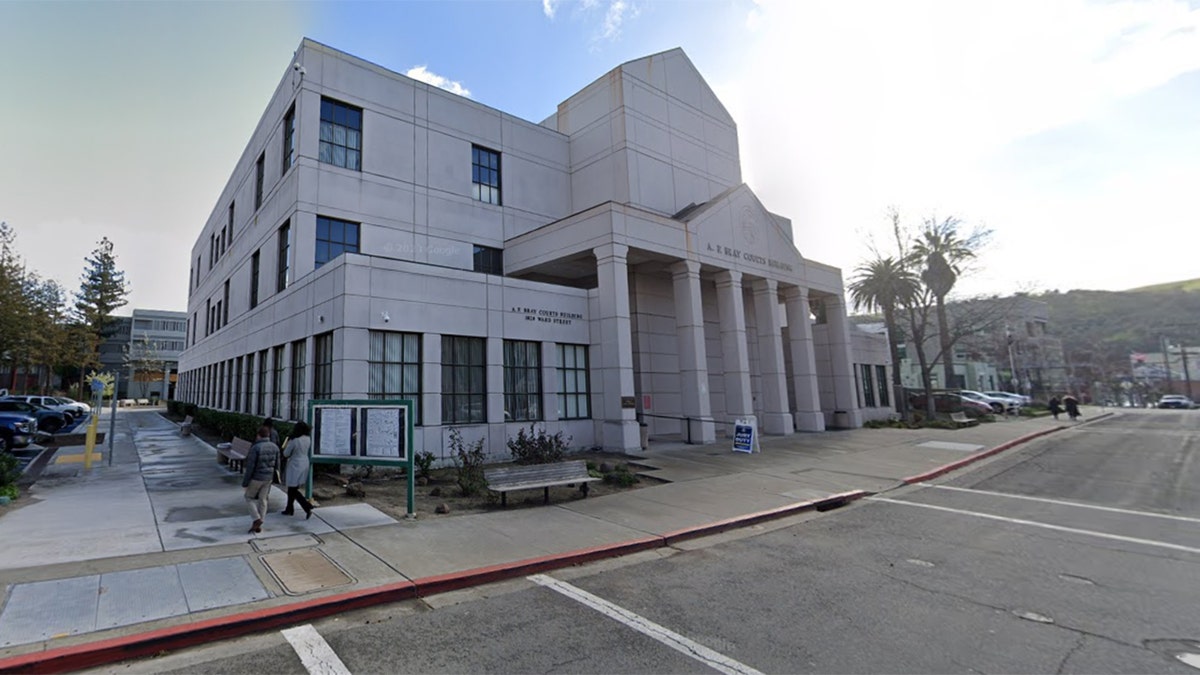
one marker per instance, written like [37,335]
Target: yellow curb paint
[75,459]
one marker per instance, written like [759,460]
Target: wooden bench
[235,454]
[962,420]
[530,477]
[185,429]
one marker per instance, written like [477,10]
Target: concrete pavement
[150,552]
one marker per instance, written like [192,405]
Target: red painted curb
[754,518]
[947,468]
[92,654]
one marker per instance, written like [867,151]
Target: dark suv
[16,429]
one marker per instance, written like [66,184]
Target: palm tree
[886,284]
[943,253]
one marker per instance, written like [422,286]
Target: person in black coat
[1072,407]
[1054,406]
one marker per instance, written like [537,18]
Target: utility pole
[1187,376]
[1166,361]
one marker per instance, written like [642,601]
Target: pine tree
[102,290]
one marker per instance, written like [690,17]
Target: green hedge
[226,424]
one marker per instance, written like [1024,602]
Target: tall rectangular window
[278,369]
[485,175]
[197,271]
[260,171]
[323,366]
[394,368]
[236,402]
[882,381]
[281,275]
[573,384]
[260,407]
[296,404]
[289,138]
[247,405]
[225,310]
[341,135]
[254,263]
[868,386]
[464,380]
[335,237]
[488,260]
[230,385]
[230,225]
[522,381]
[212,249]
[207,317]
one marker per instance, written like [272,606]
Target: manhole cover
[292,541]
[305,570]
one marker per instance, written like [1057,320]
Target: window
[249,401]
[868,386]
[217,317]
[212,249]
[489,260]
[289,138]
[236,376]
[281,276]
[881,380]
[296,404]
[225,314]
[277,399]
[260,170]
[194,321]
[573,389]
[341,135]
[197,271]
[261,407]
[464,380]
[254,262]
[522,381]
[207,317]
[323,366]
[394,368]
[335,237]
[230,225]
[485,175]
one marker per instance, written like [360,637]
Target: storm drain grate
[305,570]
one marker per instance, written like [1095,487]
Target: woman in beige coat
[296,476]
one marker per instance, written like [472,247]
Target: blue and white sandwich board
[745,436]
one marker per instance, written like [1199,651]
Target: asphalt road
[1076,553]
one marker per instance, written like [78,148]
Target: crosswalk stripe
[314,652]
[679,643]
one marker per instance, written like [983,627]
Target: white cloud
[549,7]
[613,18]
[422,73]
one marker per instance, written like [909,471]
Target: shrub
[621,476]
[468,460]
[10,471]
[537,446]
[424,462]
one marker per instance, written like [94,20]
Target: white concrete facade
[626,235]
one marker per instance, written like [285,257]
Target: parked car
[1176,401]
[69,410]
[48,420]
[951,402]
[997,404]
[1019,398]
[16,429]
[80,409]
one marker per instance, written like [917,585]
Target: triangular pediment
[734,230]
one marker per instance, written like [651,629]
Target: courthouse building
[383,238]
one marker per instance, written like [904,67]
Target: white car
[82,407]
[72,410]
[999,405]
[1016,398]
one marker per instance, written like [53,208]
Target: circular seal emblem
[749,227]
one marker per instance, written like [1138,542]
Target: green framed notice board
[364,432]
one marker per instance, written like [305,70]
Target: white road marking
[1192,660]
[675,641]
[314,652]
[1044,500]
[1048,526]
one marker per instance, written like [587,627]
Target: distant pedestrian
[1072,407]
[260,466]
[270,424]
[1055,407]
[296,475]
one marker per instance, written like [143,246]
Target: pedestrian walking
[295,451]
[1072,407]
[1054,406]
[257,474]
[270,424]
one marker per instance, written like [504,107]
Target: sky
[1068,128]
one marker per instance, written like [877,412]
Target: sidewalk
[151,552]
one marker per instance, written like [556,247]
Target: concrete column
[693,360]
[808,414]
[310,376]
[493,354]
[738,399]
[844,395]
[775,418]
[619,428]
[431,380]
[252,381]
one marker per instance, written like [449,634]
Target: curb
[111,650]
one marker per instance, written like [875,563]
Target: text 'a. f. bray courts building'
[383,238]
